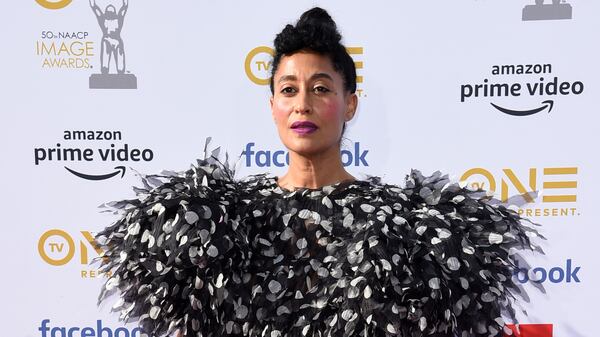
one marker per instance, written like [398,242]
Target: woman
[315,252]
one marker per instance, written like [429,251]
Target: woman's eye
[321,89]
[287,90]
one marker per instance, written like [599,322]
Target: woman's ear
[351,106]
[271,105]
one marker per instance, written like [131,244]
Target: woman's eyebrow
[287,78]
[312,78]
[321,75]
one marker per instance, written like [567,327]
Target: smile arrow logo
[118,169]
[545,104]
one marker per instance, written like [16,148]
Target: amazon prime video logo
[537,81]
[552,11]
[87,148]
[112,50]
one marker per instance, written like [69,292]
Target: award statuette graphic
[111,23]
[554,11]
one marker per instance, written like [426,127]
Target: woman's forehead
[306,65]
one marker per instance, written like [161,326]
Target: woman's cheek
[331,110]
[281,112]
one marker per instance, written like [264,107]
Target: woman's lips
[304,127]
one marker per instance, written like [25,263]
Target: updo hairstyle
[315,31]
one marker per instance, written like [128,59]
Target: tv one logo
[529,330]
[259,60]
[553,178]
[280,158]
[557,185]
[57,247]
[53,4]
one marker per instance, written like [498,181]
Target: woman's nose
[302,103]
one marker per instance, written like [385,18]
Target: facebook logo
[559,274]
[280,158]
[89,331]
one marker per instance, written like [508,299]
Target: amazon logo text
[503,85]
[74,154]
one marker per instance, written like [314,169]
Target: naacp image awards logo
[556,10]
[113,74]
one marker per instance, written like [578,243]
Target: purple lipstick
[304,127]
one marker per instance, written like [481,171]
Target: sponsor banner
[509,82]
[78,151]
[58,247]
[256,157]
[543,191]
[50,328]
[102,57]
[499,95]
[566,273]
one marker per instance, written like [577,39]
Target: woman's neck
[315,171]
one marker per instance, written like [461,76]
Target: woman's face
[308,89]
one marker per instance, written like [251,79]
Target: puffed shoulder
[436,259]
[174,251]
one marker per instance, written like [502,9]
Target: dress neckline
[331,186]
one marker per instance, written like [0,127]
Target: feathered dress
[201,253]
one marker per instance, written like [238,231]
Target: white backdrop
[421,63]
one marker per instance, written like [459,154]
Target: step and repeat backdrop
[499,94]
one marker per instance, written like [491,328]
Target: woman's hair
[315,31]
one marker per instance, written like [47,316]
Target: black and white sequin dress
[210,255]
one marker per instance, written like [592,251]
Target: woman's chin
[307,147]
